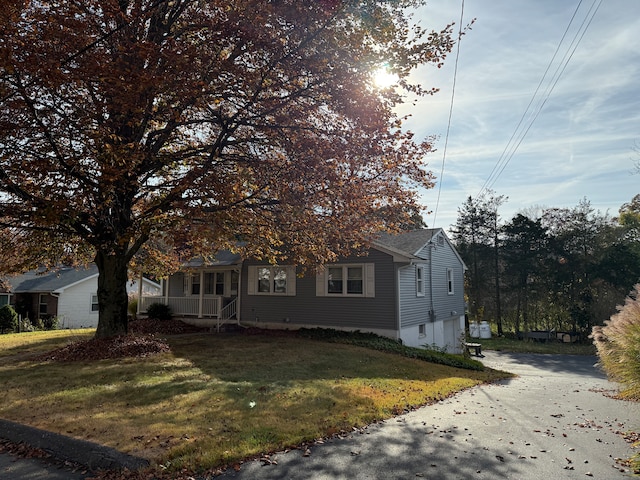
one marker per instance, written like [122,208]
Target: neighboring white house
[70,294]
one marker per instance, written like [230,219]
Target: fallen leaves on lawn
[140,342]
[103,348]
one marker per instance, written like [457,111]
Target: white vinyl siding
[94,302]
[349,280]
[271,280]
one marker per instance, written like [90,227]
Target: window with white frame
[195,284]
[94,303]
[219,283]
[450,281]
[192,283]
[420,280]
[214,283]
[353,280]
[4,299]
[422,330]
[271,280]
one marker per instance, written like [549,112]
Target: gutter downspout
[432,312]
[398,305]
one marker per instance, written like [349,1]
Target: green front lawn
[217,399]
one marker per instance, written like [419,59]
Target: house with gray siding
[408,287]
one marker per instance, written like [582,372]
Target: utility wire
[505,158]
[524,114]
[453,93]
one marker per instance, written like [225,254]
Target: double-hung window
[345,280]
[271,280]
[355,280]
[94,303]
[420,280]
[43,306]
[450,281]
[214,283]
[192,284]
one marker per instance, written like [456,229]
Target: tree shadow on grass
[254,393]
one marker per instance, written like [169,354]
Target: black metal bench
[476,347]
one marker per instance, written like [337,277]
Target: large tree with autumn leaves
[134,133]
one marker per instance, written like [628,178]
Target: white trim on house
[450,282]
[326,286]
[420,280]
[281,280]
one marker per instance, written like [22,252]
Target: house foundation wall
[444,334]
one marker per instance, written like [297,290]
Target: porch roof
[223,258]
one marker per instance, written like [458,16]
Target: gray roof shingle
[37,281]
[409,242]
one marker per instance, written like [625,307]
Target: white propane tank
[485,330]
[474,330]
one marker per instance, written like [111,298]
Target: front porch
[202,312]
[201,294]
[207,307]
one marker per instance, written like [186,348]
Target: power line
[524,114]
[453,92]
[505,158]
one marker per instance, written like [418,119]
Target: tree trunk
[112,294]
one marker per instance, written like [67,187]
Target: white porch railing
[205,307]
[230,310]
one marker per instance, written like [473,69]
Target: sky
[578,137]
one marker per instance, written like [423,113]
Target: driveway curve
[554,420]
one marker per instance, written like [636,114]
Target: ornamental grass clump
[618,345]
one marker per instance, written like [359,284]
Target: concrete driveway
[554,421]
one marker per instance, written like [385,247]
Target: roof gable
[410,243]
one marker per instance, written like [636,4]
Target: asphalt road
[14,468]
[554,421]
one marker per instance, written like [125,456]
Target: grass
[217,399]
[504,344]
[32,343]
